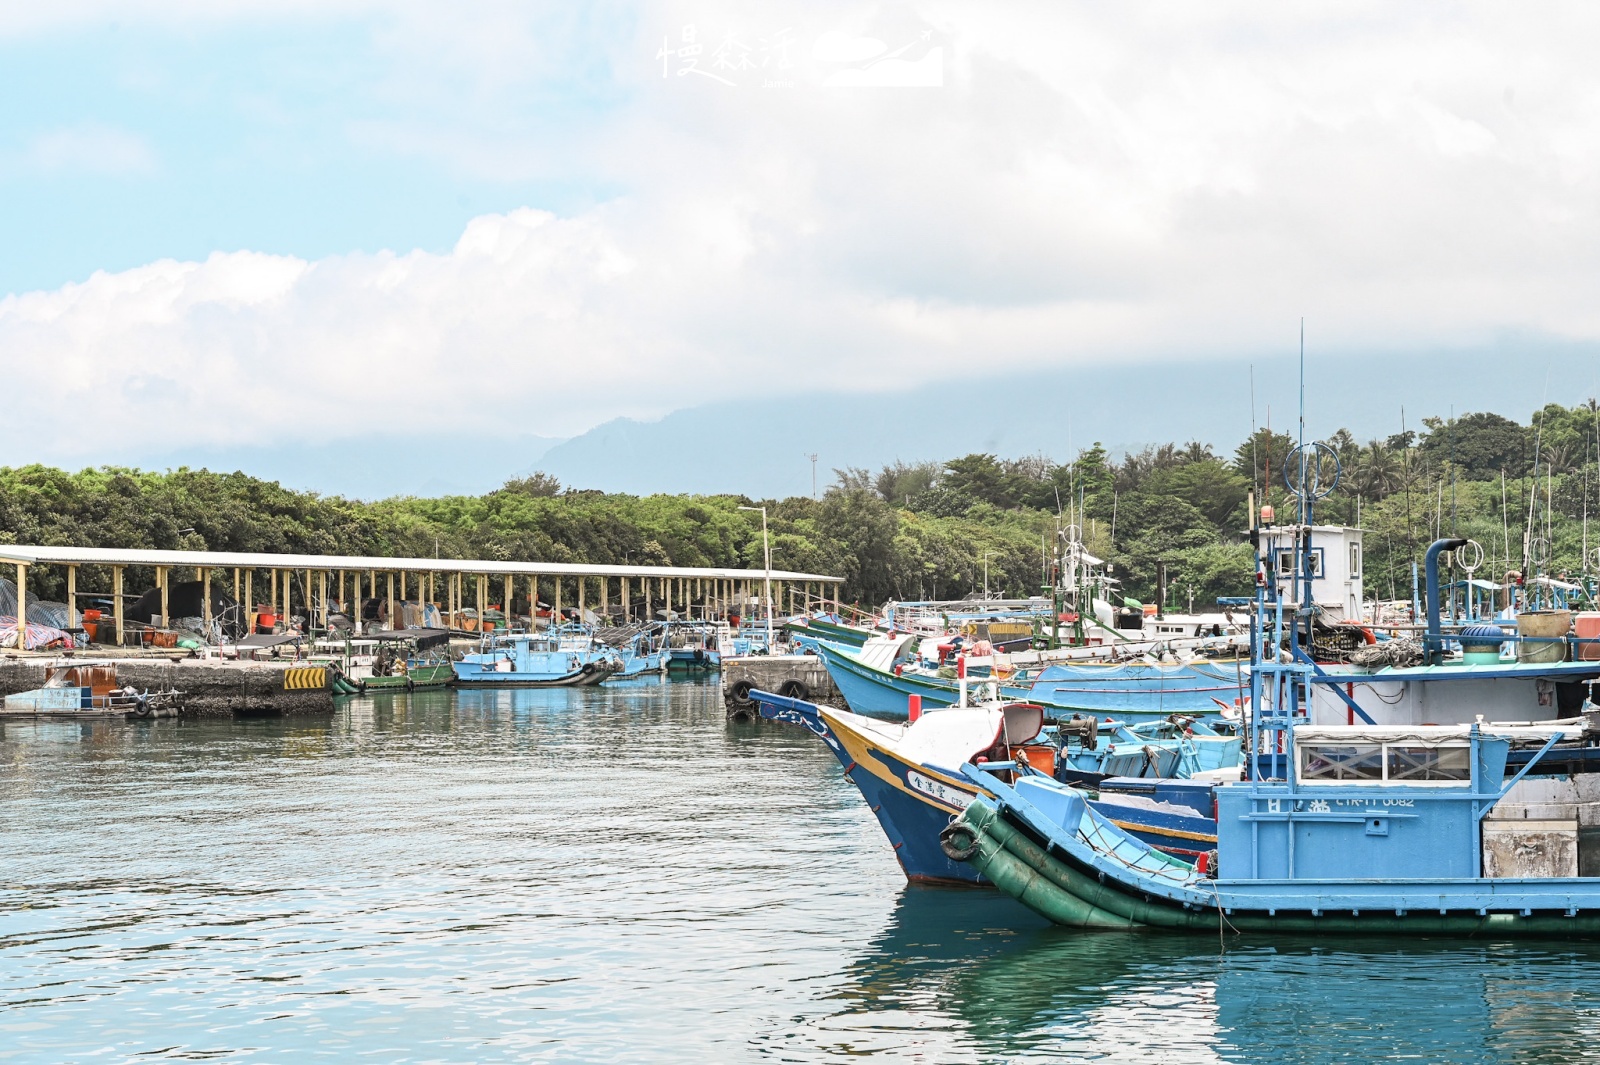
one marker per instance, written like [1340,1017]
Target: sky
[304,227]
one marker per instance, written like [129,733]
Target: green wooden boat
[392,660]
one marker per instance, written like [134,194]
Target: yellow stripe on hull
[863,752]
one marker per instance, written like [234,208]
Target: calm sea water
[617,875]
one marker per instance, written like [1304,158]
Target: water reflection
[618,874]
[1005,986]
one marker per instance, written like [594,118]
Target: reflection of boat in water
[938,972]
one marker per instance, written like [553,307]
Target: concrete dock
[210,688]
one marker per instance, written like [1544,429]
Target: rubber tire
[958,842]
[795,689]
[739,694]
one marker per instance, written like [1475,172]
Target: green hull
[1075,896]
[833,633]
[430,676]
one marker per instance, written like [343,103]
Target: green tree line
[925,530]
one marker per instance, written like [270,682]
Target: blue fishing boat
[643,654]
[910,777]
[1391,828]
[564,657]
[1382,829]
[693,646]
[872,684]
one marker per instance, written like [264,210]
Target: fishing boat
[1392,827]
[695,646]
[387,660]
[1380,829]
[829,627]
[910,777]
[881,678]
[564,657]
[643,653]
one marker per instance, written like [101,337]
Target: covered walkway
[463,590]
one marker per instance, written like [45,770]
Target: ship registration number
[936,789]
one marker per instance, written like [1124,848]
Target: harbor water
[615,874]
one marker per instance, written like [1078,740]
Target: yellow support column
[555,609]
[72,597]
[166,604]
[506,606]
[205,600]
[481,582]
[116,600]
[22,606]
[392,623]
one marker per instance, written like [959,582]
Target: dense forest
[911,530]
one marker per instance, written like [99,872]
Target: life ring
[795,689]
[958,842]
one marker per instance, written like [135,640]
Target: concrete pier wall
[210,688]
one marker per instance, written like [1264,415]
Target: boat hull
[880,693]
[581,678]
[1062,886]
[910,817]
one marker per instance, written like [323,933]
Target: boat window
[1395,763]
[1429,763]
[1353,761]
[1355,560]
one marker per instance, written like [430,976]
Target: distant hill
[760,447]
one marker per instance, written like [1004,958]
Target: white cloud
[1092,182]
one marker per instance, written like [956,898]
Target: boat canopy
[1424,735]
[939,732]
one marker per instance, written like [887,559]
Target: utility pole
[766,549]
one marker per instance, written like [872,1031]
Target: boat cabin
[1336,567]
[1395,802]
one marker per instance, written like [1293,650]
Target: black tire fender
[739,693]
[795,689]
[958,842]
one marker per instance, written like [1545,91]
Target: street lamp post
[766,550]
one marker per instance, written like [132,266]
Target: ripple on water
[606,875]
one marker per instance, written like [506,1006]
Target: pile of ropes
[1398,653]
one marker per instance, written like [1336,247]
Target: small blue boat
[643,655]
[693,647]
[563,658]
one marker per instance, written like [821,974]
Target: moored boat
[909,774]
[1383,829]
[538,660]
